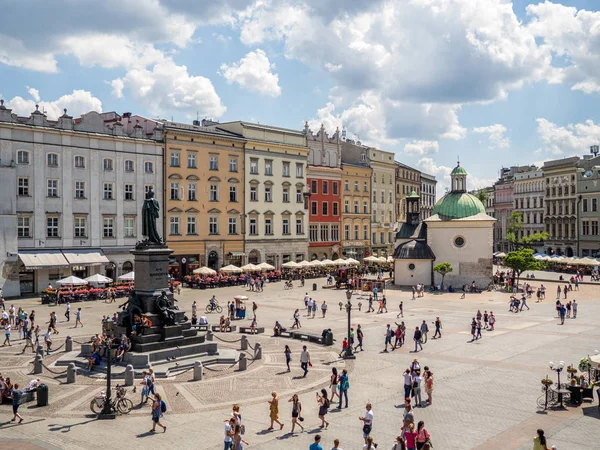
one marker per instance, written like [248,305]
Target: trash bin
[329,338]
[42,395]
[314,286]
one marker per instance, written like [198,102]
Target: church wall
[404,276]
[472,261]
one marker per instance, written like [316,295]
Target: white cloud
[426,55]
[570,140]
[442,173]
[35,94]
[421,147]
[254,73]
[496,135]
[77,103]
[572,37]
[14,53]
[168,87]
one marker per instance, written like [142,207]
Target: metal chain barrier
[229,342]
[56,349]
[52,371]
[250,345]
[221,370]
[81,343]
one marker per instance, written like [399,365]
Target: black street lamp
[349,354]
[107,411]
[558,368]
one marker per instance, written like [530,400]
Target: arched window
[22,157]
[254,257]
[127,267]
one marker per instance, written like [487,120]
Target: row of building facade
[560,198]
[230,193]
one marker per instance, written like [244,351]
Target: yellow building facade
[356,210]
[204,197]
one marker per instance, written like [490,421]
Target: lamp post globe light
[558,368]
[349,354]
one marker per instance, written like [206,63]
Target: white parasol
[95,279]
[130,276]
[205,271]
[231,269]
[72,281]
[251,268]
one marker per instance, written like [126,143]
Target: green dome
[458,170]
[458,205]
[413,194]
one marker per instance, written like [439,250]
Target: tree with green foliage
[443,269]
[482,196]
[515,225]
[520,261]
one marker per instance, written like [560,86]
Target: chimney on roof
[127,115]
[209,122]
[196,123]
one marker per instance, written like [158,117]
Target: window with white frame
[147,188]
[268,167]
[253,227]
[22,157]
[335,233]
[299,225]
[374,196]
[346,185]
[232,225]
[325,188]
[24,226]
[175,159]
[51,188]
[286,195]
[214,193]
[192,192]
[356,186]
[313,208]
[52,159]
[325,208]
[213,225]
[382,237]
[233,197]
[313,231]
[314,187]
[268,226]
[286,225]
[347,232]
[107,163]
[365,208]
[80,189]
[335,208]
[391,201]
[108,191]
[108,227]
[174,191]
[52,226]
[356,210]
[382,179]
[233,164]
[324,232]
[214,162]
[174,225]
[382,197]
[129,227]
[268,196]
[374,238]
[23,186]
[356,233]
[149,167]
[191,160]
[346,206]
[254,166]
[286,169]
[129,165]
[391,179]
[299,195]
[80,162]
[129,192]
[191,225]
[253,193]
[365,232]
[365,187]
[299,170]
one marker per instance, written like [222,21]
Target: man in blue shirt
[16,399]
[317,444]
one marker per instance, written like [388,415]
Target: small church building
[458,232]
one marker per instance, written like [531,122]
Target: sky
[493,83]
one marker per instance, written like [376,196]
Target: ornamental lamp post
[558,368]
[108,411]
[348,354]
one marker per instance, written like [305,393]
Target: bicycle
[288,285]
[214,308]
[118,403]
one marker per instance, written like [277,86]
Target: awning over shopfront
[85,257]
[43,259]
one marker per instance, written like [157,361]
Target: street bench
[310,337]
[200,327]
[250,330]
[287,334]
[229,329]
[28,396]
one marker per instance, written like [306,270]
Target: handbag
[301,419]
[367,429]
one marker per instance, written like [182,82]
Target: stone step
[168,344]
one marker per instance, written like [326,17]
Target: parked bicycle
[118,403]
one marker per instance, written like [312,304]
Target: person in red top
[344,346]
[422,435]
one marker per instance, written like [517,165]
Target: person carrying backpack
[158,409]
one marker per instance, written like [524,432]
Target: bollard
[198,371]
[243,362]
[129,375]
[314,286]
[69,344]
[37,364]
[257,351]
[71,373]
[40,351]
[244,343]
[209,335]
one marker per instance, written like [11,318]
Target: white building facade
[80,187]
[528,197]
[428,195]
